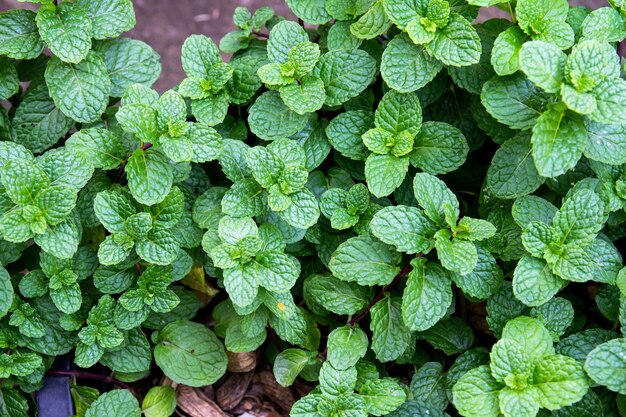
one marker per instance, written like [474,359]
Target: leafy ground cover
[403,213]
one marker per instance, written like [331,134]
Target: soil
[165,24]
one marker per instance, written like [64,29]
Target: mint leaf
[109,18]
[19,35]
[67,31]
[128,62]
[427,295]
[120,402]
[390,337]
[407,67]
[406,228]
[512,172]
[514,101]
[476,393]
[149,176]
[80,91]
[195,345]
[345,74]
[456,44]
[271,119]
[558,140]
[366,261]
[159,401]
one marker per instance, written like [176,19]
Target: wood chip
[281,396]
[241,362]
[231,392]
[193,402]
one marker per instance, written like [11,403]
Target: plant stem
[146,145]
[89,375]
[261,35]
[403,273]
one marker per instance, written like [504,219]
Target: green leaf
[288,364]
[303,211]
[580,218]
[385,173]
[476,393]
[372,24]
[382,396]
[9,82]
[110,18]
[484,280]
[519,402]
[23,181]
[149,176]
[134,356]
[283,37]
[311,11]
[245,199]
[337,296]
[269,118]
[100,146]
[514,101]
[7,292]
[189,353]
[427,296]
[390,337]
[80,91]
[544,65]
[306,97]
[366,261]
[346,346]
[160,401]
[604,24]
[159,247]
[603,141]
[345,74]
[67,30]
[605,365]
[128,61]
[558,140]
[610,98]
[38,123]
[456,255]
[19,35]
[560,381]
[439,148]
[406,228]
[427,384]
[505,52]
[397,113]
[120,402]
[344,133]
[456,44]
[433,195]
[199,54]
[533,281]
[531,335]
[407,67]
[512,172]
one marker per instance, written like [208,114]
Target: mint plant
[405,210]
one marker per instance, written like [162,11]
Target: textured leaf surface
[190,353]
[80,90]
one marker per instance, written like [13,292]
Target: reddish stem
[146,145]
[403,273]
[89,375]
[261,35]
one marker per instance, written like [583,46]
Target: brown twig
[145,146]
